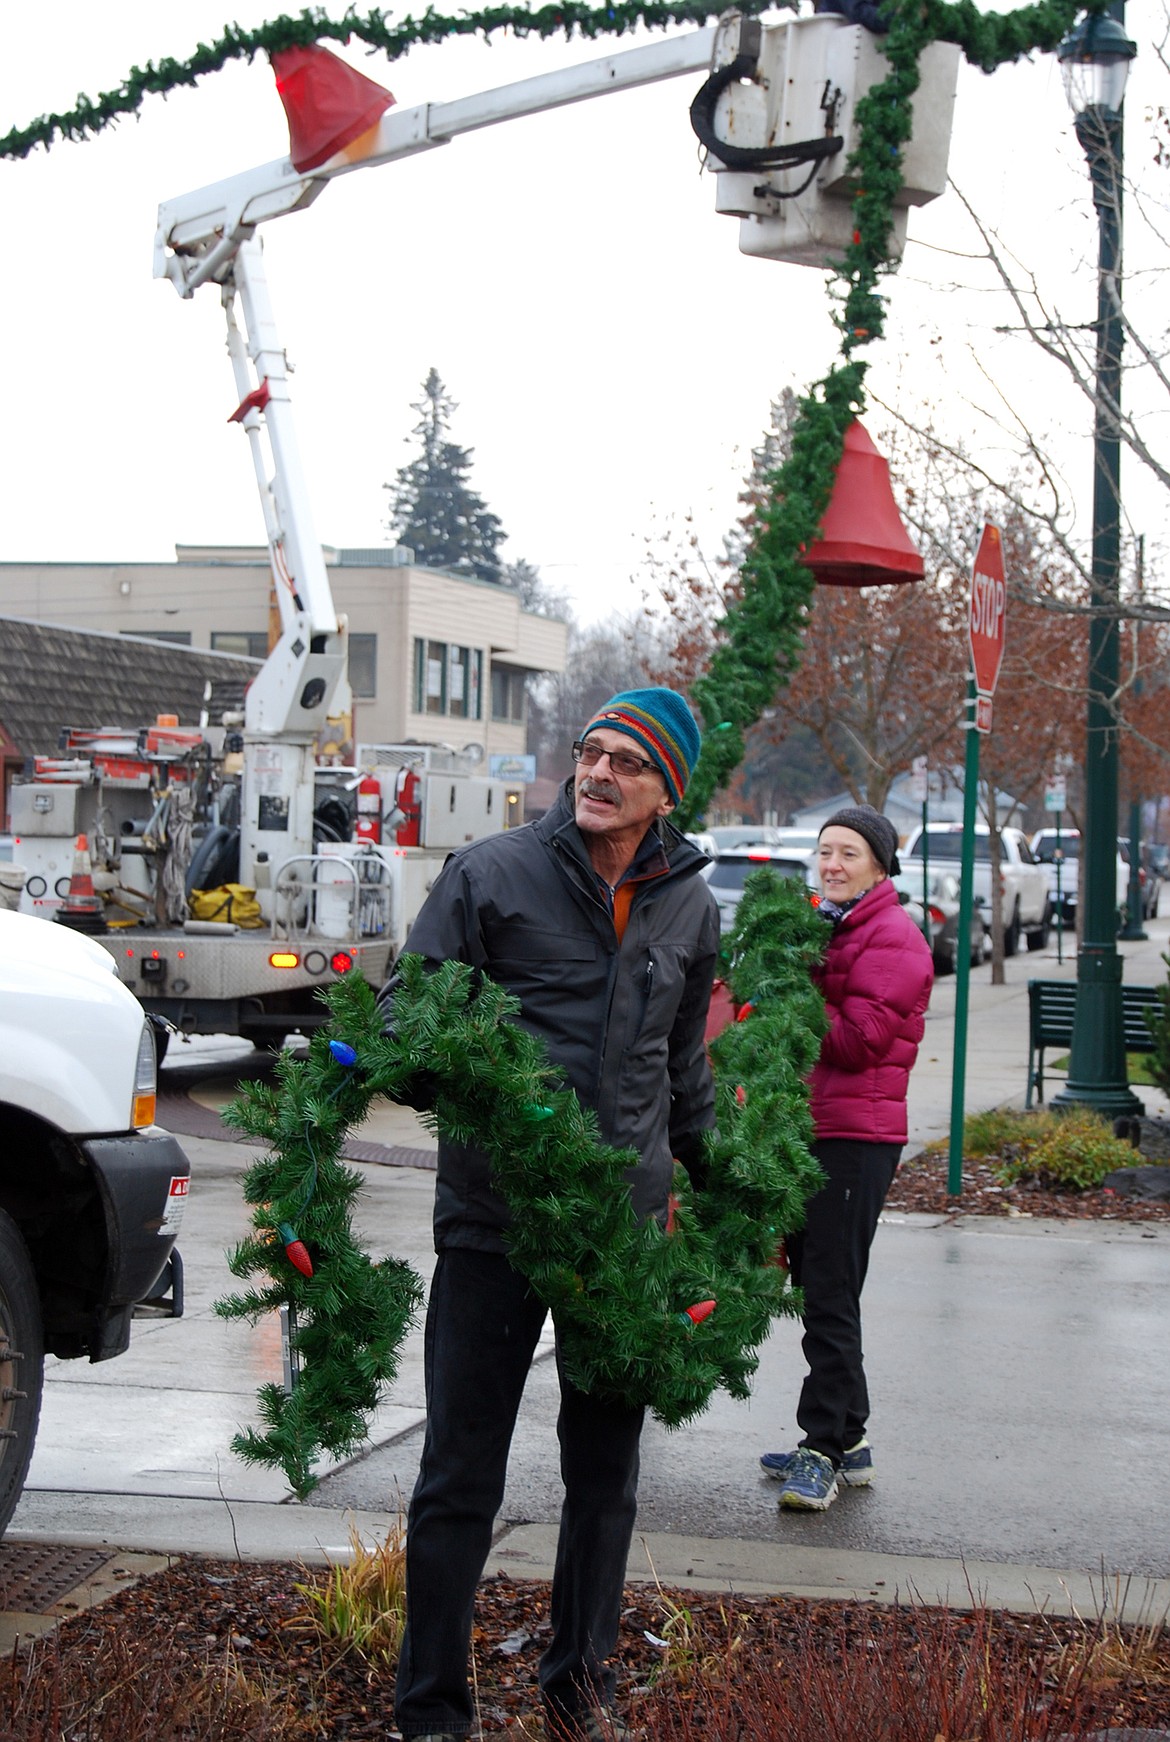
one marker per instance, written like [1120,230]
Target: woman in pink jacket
[876,978]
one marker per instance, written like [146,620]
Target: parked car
[798,840]
[728,874]
[744,835]
[1149,876]
[1044,846]
[706,843]
[1023,892]
[941,910]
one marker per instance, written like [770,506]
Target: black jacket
[624,1024]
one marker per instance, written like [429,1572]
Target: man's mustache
[600,789]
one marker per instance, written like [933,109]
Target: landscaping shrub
[1070,1151]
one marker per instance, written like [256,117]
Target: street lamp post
[1095,61]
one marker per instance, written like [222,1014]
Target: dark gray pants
[482,1326]
[828,1259]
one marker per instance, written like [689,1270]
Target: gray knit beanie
[878,831]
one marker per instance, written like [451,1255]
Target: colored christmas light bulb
[694,1315]
[537,1113]
[343,1052]
[745,1011]
[296,1250]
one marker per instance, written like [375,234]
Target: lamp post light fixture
[1094,61]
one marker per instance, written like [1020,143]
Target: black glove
[691,1151]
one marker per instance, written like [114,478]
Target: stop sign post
[988,620]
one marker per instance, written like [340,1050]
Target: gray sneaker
[856,1471]
[811,1484]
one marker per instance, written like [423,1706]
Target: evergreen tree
[536,594]
[433,508]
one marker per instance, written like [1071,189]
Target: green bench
[1050,1023]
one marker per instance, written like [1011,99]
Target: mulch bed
[921,1185]
[211,1651]
[221,1649]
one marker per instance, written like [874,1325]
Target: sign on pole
[987,624]
[1056,794]
[918,779]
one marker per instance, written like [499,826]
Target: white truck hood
[69,1031]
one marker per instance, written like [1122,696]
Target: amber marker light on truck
[284,959]
[145,1080]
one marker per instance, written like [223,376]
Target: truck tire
[265,1039]
[1038,939]
[22,1365]
[1011,935]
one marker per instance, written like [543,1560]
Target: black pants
[482,1326]
[828,1260]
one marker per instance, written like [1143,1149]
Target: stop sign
[988,621]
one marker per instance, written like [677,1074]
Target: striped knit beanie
[662,724]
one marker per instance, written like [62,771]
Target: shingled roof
[52,677]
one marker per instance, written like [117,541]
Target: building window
[177,637]
[509,695]
[363,666]
[448,679]
[245,643]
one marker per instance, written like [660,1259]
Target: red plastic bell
[327,103]
[863,542]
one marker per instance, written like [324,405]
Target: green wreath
[631,1300]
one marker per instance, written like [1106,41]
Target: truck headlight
[145,1080]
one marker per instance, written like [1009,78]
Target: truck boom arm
[199,233]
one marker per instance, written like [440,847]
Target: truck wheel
[22,1365]
[265,1039]
[1011,936]
[1038,940]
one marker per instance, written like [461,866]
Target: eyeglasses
[624,762]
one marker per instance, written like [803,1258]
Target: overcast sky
[611,353]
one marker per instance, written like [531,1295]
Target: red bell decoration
[863,542]
[327,103]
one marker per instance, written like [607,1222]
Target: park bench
[1050,1023]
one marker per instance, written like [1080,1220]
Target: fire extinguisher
[368,826]
[408,798]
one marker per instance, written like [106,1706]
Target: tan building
[434,657]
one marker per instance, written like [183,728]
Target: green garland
[988,40]
[349,1316]
[618,1289]
[90,116]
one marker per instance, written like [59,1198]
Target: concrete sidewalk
[1018,1373]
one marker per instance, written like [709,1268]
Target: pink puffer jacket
[876,979]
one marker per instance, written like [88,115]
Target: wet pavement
[1017,1369]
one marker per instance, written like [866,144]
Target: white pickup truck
[1023,883]
[91,1190]
[1044,846]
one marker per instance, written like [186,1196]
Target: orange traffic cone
[82,908]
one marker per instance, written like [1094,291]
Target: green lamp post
[1095,62]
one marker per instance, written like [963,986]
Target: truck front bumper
[143,1178]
